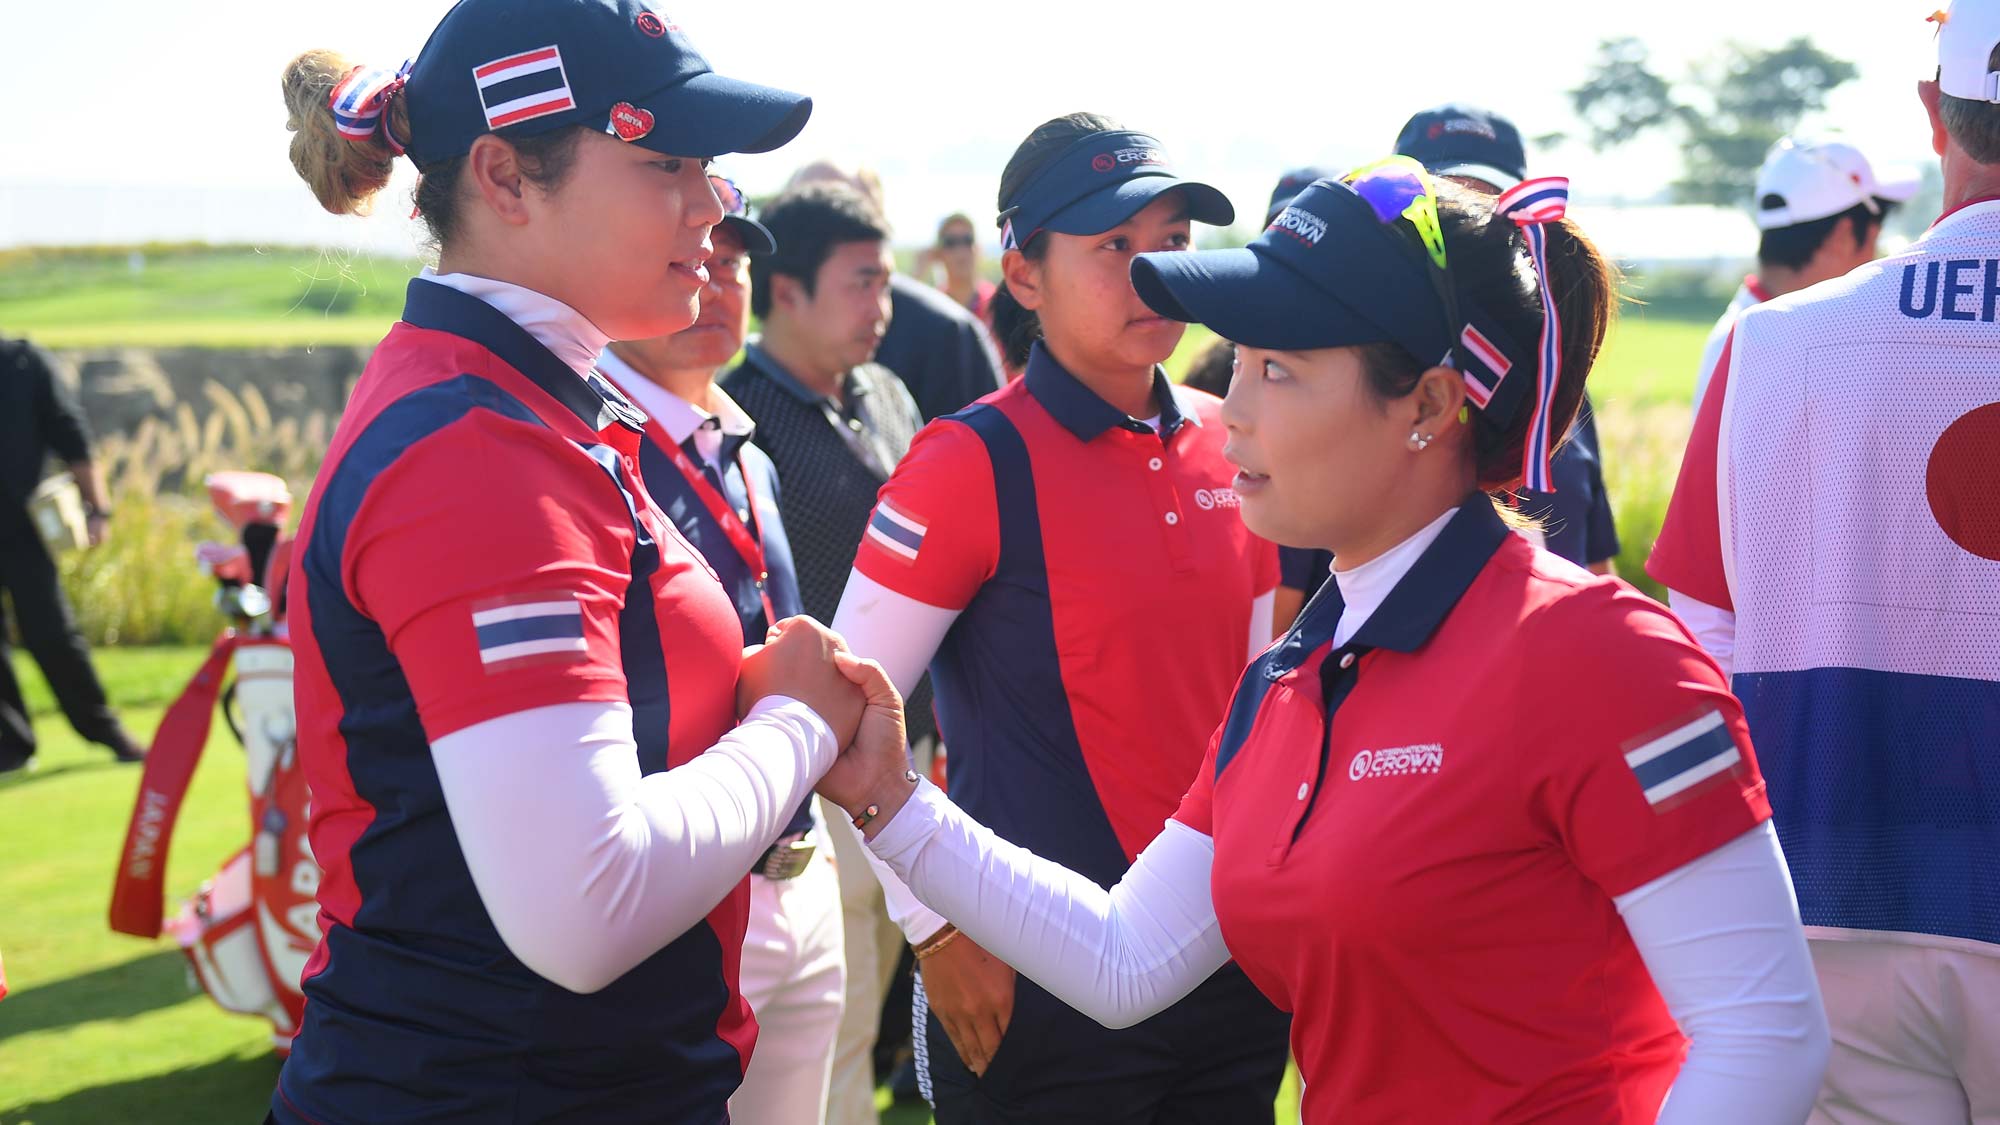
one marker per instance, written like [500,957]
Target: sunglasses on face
[955,241]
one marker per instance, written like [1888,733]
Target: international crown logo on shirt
[517,630]
[895,532]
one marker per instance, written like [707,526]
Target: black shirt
[38,416]
[940,351]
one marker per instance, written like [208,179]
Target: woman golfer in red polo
[1489,826]
[1041,551]
[495,625]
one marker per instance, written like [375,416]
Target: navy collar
[1420,601]
[756,356]
[1442,574]
[1079,408]
[594,401]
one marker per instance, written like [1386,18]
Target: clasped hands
[971,991]
[806,661]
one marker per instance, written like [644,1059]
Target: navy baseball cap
[524,67]
[756,238]
[1099,181]
[1289,187]
[1459,140]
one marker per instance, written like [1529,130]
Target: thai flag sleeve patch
[1672,765]
[523,87]
[898,533]
[521,630]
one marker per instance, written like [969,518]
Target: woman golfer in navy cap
[1489,826]
[493,622]
[1067,557]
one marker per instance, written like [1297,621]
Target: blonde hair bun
[344,174]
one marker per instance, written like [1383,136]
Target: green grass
[1649,360]
[199,295]
[100,1027]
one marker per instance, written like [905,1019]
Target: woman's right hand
[972,993]
[875,770]
[798,662]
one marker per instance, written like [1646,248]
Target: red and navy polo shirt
[745,467]
[1104,580]
[1420,833]
[478,543]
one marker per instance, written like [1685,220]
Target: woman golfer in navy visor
[1489,826]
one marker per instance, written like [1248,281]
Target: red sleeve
[494,599]
[1644,761]
[935,532]
[1688,554]
[1197,809]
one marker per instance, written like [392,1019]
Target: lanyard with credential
[748,539]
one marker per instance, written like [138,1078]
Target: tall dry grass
[1642,447]
[141,586]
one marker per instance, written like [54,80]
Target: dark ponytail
[1489,260]
[1018,328]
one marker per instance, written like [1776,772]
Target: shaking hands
[810,663]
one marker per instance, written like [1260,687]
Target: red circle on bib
[1962,481]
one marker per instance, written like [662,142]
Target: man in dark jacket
[940,351]
[39,417]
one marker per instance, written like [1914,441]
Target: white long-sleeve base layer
[586,867]
[1713,627]
[1719,935]
[902,634]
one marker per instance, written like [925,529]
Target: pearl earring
[1420,442]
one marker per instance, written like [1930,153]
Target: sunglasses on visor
[1403,197]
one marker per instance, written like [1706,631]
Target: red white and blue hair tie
[361,100]
[1531,204]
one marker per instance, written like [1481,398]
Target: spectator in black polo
[937,347]
[836,424]
[1483,151]
[38,417]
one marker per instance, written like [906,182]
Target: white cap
[1818,179]
[1966,37]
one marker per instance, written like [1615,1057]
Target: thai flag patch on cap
[523,628]
[1681,759]
[895,532]
[523,87]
